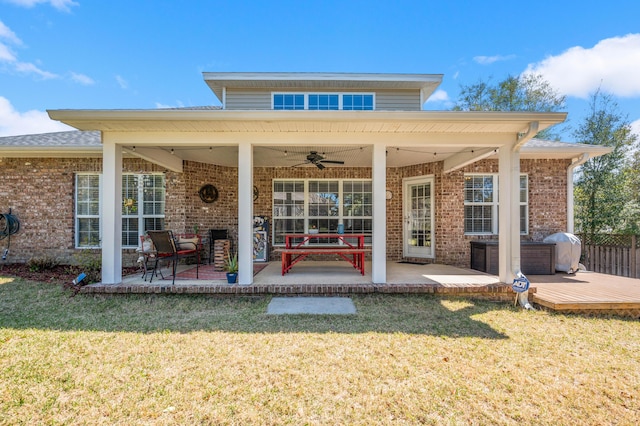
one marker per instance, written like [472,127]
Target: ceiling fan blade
[300,164]
[332,161]
[319,165]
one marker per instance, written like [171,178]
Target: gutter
[570,205]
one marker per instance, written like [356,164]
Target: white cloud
[179,104]
[82,79]
[438,96]
[6,33]
[487,60]
[13,122]
[29,68]
[63,5]
[122,82]
[6,55]
[635,127]
[613,65]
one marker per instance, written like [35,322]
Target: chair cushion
[147,244]
[188,243]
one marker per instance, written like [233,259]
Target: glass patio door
[418,218]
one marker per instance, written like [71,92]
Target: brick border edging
[495,291]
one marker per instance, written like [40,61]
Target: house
[305,149]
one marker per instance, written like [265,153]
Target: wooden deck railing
[612,254]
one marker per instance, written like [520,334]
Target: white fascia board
[546,119]
[319,76]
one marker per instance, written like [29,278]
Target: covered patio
[249,141]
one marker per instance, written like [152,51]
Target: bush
[39,264]
[90,262]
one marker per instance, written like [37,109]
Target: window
[481,204]
[323,101]
[143,203]
[357,102]
[87,210]
[303,205]
[288,101]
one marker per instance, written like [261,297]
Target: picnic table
[349,247]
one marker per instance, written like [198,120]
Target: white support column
[514,231]
[379,243]
[570,202]
[245,213]
[509,214]
[111,214]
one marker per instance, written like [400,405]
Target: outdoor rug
[206,272]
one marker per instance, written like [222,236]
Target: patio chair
[166,249]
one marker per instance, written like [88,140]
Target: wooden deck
[587,293]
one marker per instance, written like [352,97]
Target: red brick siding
[41,193]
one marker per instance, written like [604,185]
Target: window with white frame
[324,101]
[143,204]
[481,201]
[320,205]
[88,210]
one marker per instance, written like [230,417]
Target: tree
[629,221]
[601,186]
[528,92]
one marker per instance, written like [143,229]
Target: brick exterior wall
[40,191]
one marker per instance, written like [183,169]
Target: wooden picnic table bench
[352,253]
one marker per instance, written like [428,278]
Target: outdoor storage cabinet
[536,258]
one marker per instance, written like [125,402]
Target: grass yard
[161,359]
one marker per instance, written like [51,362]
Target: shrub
[45,263]
[90,262]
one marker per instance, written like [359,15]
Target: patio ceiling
[294,156]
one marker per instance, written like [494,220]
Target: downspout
[575,162]
[523,297]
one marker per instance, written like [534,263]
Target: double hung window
[143,205]
[88,210]
[481,204]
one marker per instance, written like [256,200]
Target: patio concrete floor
[341,273]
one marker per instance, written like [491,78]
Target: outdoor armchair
[167,249]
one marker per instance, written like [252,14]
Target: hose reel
[9,225]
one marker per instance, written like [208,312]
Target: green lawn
[162,359]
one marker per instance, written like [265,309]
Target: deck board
[586,291]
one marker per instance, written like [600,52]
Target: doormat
[414,263]
[207,272]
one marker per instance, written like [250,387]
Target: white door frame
[406,219]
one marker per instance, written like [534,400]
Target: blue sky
[83,54]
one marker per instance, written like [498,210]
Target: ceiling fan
[317,160]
